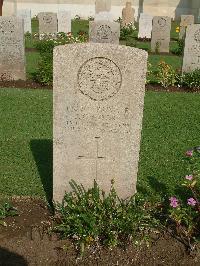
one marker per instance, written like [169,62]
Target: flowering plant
[185,214]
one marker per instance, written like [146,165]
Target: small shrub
[6,210]
[89,216]
[167,76]
[178,50]
[184,215]
[127,31]
[191,80]
[44,72]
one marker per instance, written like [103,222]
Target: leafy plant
[184,215]
[178,50]
[89,216]
[191,80]
[166,75]
[6,210]
[127,31]
[157,48]
[44,73]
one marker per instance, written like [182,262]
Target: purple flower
[189,153]
[174,202]
[189,177]
[191,202]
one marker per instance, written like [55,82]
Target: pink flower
[189,153]
[191,202]
[174,202]
[189,177]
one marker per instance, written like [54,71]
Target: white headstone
[145,26]
[25,14]
[161,34]
[102,5]
[104,32]
[47,23]
[64,21]
[186,20]
[191,59]
[104,16]
[98,110]
[12,49]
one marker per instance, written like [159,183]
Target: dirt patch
[22,84]
[26,241]
[29,84]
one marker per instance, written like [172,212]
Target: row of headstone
[52,23]
[48,22]
[146,21]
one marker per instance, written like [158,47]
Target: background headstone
[12,49]
[104,16]
[102,5]
[47,22]
[191,59]
[25,14]
[64,21]
[186,20]
[145,26]
[98,110]
[104,32]
[128,14]
[161,34]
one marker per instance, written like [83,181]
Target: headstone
[145,26]
[98,110]
[25,14]
[128,15]
[104,16]
[161,34]
[186,20]
[64,21]
[104,32]
[47,23]
[12,49]
[102,5]
[191,59]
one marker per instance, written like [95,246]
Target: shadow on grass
[10,258]
[42,150]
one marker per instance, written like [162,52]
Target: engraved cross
[96,158]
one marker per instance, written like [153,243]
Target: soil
[25,241]
[29,84]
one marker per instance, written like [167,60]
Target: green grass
[171,126]
[32,59]
[25,140]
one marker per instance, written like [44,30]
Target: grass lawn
[171,126]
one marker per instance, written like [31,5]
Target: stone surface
[128,14]
[102,5]
[25,14]
[104,16]
[48,22]
[98,110]
[12,50]
[185,21]
[104,32]
[161,34]
[191,59]
[64,21]
[145,26]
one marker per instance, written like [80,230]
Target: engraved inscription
[47,19]
[99,78]
[197,36]
[96,158]
[162,22]
[104,32]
